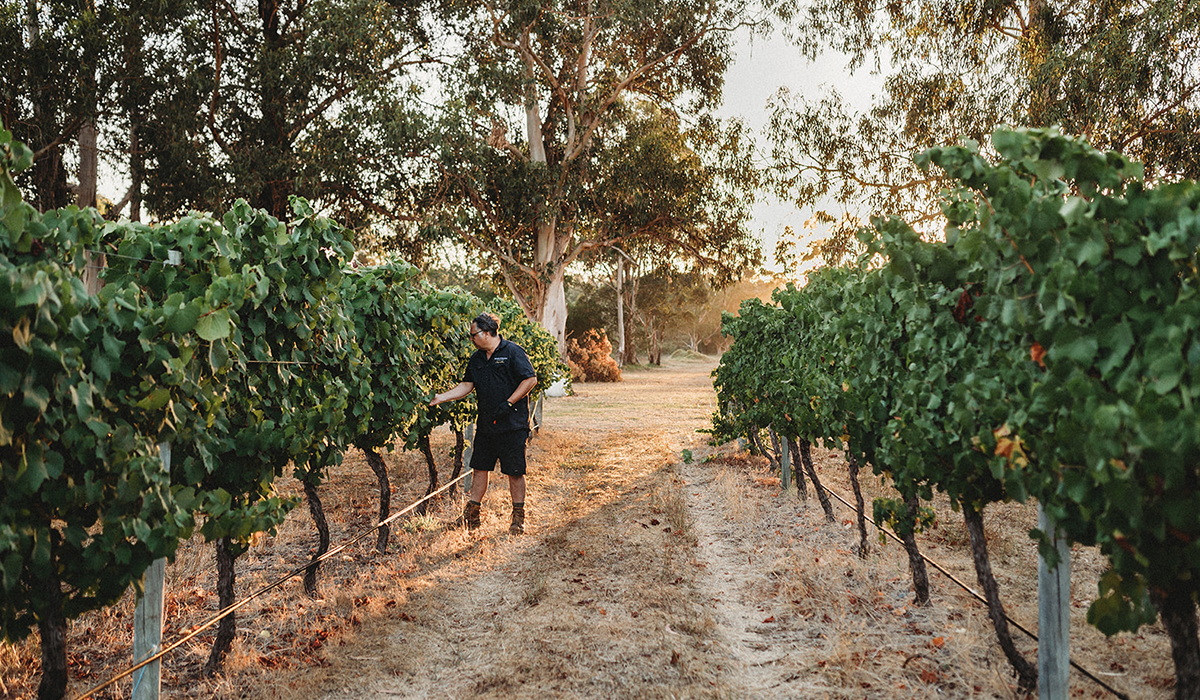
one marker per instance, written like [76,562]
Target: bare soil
[653,566]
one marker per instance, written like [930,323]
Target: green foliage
[1091,276]
[241,341]
[88,385]
[1126,74]
[1047,349]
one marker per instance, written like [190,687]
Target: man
[501,375]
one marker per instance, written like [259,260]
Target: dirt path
[645,575]
[609,594]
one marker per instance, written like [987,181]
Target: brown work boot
[518,520]
[469,518]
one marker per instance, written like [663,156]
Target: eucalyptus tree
[540,104]
[49,87]
[271,99]
[1125,75]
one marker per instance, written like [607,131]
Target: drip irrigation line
[126,257]
[220,615]
[976,594]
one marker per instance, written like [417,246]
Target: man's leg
[470,515]
[479,484]
[516,487]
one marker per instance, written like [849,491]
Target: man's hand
[459,391]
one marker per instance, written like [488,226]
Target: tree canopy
[580,125]
[1125,75]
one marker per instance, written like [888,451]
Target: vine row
[248,343]
[1048,348]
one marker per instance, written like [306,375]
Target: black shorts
[508,447]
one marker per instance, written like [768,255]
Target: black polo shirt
[495,380]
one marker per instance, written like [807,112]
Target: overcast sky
[761,68]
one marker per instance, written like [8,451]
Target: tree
[272,99]
[590,80]
[203,103]
[49,89]
[1125,75]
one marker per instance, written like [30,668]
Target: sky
[761,68]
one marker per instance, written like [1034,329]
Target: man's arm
[459,391]
[523,389]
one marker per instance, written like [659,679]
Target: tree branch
[217,60]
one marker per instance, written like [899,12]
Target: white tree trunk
[620,313]
[554,310]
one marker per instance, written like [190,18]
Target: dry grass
[640,576]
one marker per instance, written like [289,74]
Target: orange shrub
[590,359]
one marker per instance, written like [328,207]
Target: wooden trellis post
[1054,616]
[148,617]
[468,449]
[785,464]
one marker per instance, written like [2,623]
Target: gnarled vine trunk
[52,626]
[227,627]
[1178,611]
[375,461]
[916,563]
[1026,672]
[423,443]
[322,525]
[798,468]
[460,444]
[860,506]
[806,458]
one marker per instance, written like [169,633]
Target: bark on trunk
[859,505]
[916,563]
[52,626]
[275,122]
[1178,612]
[806,457]
[459,445]
[136,166]
[1025,671]
[375,460]
[620,282]
[423,442]
[554,310]
[318,516]
[631,304]
[776,456]
[227,627]
[798,468]
[49,177]
[756,446]
[85,194]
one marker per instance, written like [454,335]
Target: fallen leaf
[938,642]
[769,619]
